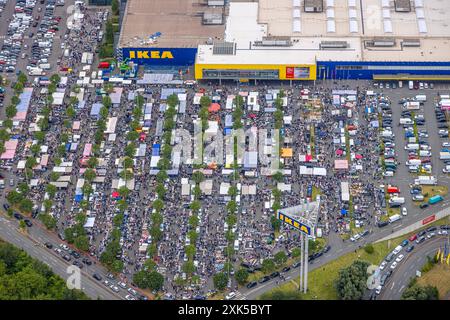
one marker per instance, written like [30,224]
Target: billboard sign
[297,72]
[161,56]
[295,223]
[428,219]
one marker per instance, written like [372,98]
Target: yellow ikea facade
[284,71]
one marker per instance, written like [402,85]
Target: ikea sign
[295,223]
[161,56]
[154,54]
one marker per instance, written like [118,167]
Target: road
[334,253]
[407,268]
[10,233]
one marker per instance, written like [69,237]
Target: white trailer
[425,180]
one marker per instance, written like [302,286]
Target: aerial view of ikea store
[291,39]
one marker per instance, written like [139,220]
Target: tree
[192,235]
[23,188]
[14,197]
[231,206]
[198,177]
[155,281]
[70,112]
[22,78]
[82,242]
[188,268]
[417,292]
[104,112]
[193,221]
[51,88]
[140,279]
[106,101]
[8,123]
[48,220]
[232,191]
[220,281]
[268,266]
[124,191]
[11,111]
[109,34]
[4,135]
[231,219]
[161,176]
[369,248]
[47,205]
[92,162]
[195,206]
[280,258]
[205,101]
[295,252]
[89,175]
[51,190]
[18,88]
[351,282]
[117,220]
[158,205]
[172,100]
[130,150]
[55,78]
[137,113]
[140,100]
[22,225]
[132,135]
[278,176]
[190,251]
[160,190]
[241,276]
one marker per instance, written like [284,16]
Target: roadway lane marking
[392,286]
[400,290]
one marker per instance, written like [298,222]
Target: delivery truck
[397,200]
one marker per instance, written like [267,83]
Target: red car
[412,238]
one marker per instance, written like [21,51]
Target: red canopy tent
[214,107]
[115,195]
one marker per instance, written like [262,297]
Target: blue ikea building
[383,70]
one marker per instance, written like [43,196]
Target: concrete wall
[417,225]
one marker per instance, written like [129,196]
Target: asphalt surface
[407,268]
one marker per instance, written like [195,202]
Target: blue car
[404,243]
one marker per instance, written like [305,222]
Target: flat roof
[178,21]
[253,21]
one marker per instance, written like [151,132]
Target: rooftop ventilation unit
[333,45]
[312,6]
[402,5]
[273,42]
[216,3]
[381,43]
[411,43]
[226,48]
[212,18]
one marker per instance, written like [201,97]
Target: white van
[394,218]
[236,245]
